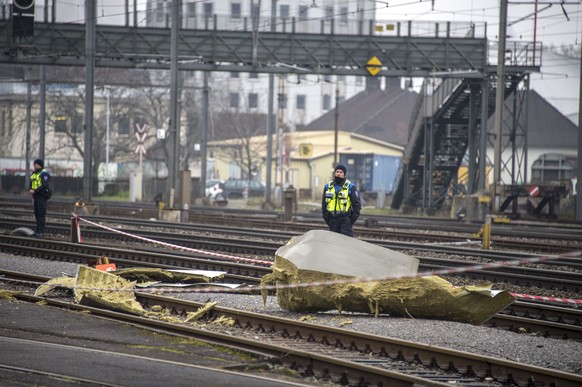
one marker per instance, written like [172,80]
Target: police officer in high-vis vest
[41,193]
[340,205]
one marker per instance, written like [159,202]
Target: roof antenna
[313,5]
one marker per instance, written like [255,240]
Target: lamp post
[107,96]
[336,124]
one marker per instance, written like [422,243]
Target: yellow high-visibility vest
[35,179]
[338,202]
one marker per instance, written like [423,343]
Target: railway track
[249,235]
[249,242]
[328,353]
[543,319]
[533,237]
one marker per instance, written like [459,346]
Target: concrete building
[307,158]
[299,98]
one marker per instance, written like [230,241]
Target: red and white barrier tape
[247,289]
[486,266]
[544,298]
[176,247]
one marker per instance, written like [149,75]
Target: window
[253,75]
[284,11]
[301,102]
[208,9]
[303,9]
[160,12]
[344,15]
[329,13]
[327,78]
[234,100]
[60,123]
[10,118]
[254,11]
[77,124]
[326,102]
[282,100]
[341,78]
[191,10]
[234,74]
[3,124]
[359,81]
[123,126]
[253,100]
[235,10]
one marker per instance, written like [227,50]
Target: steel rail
[283,237]
[88,254]
[377,349]
[515,275]
[54,375]
[525,229]
[532,317]
[308,363]
[464,362]
[499,237]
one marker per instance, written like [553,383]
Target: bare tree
[241,127]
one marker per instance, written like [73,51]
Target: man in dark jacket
[41,192]
[340,205]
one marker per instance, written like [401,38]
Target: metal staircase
[438,141]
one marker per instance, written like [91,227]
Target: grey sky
[559,79]
[552,24]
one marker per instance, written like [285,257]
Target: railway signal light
[22,18]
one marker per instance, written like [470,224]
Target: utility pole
[174,127]
[204,147]
[90,21]
[499,100]
[281,98]
[42,112]
[28,128]
[579,173]
[270,115]
[336,125]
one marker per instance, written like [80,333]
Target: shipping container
[371,172]
[553,168]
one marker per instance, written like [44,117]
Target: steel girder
[440,137]
[219,50]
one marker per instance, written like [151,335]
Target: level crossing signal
[140,134]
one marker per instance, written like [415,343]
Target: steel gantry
[237,51]
[451,128]
[450,50]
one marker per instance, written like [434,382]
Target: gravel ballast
[562,355]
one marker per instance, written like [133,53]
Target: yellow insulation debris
[193,316]
[106,290]
[420,297]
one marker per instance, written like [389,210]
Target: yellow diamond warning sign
[374,66]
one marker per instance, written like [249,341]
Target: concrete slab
[341,269]
[330,252]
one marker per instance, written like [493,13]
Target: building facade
[300,97]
